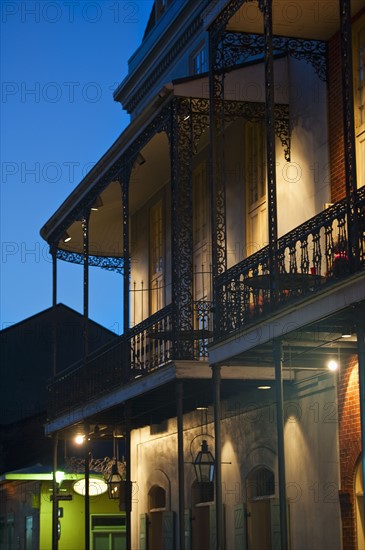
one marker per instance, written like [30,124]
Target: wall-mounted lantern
[114,482]
[204,464]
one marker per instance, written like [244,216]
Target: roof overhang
[307,20]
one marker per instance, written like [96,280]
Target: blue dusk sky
[61,60]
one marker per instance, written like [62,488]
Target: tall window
[202,259]
[255,174]
[199,61]
[359,95]
[156,257]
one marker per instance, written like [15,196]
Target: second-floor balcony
[310,259]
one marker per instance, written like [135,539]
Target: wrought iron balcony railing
[314,255]
[145,348]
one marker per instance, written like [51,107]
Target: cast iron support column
[218,456]
[128,504]
[85,250]
[349,133]
[278,360]
[266,8]
[181,152]
[216,170]
[360,329]
[126,272]
[54,310]
[55,495]
[180,461]
[87,495]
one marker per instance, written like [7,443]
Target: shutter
[240,540]
[168,531]
[275,523]
[187,529]
[143,523]
[213,527]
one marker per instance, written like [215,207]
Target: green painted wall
[72,522]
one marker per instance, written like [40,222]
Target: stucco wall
[249,440]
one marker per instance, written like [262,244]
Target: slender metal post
[87,495]
[278,360]
[85,245]
[126,271]
[128,504]
[266,8]
[54,310]
[55,495]
[180,462]
[218,456]
[360,329]
[349,132]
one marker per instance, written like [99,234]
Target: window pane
[101,541]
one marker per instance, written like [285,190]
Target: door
[259,525]
[256,200]
[263,524]
[200,528]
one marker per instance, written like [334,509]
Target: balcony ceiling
[105,224]
[317,20]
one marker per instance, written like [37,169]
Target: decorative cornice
[167,60]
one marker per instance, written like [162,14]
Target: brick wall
[335,120]
[350,447]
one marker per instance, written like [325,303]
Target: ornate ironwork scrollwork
[239,47]
[181,144]
[76,465]
[111,264]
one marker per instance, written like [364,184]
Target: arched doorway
[359,506]
[263,520]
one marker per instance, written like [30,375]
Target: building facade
[233,207]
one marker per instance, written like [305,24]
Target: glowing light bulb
[332,365]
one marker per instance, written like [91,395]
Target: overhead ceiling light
[346,332]
[139,160]
[264,387]
[97,204]
[66,237]
[79,439]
